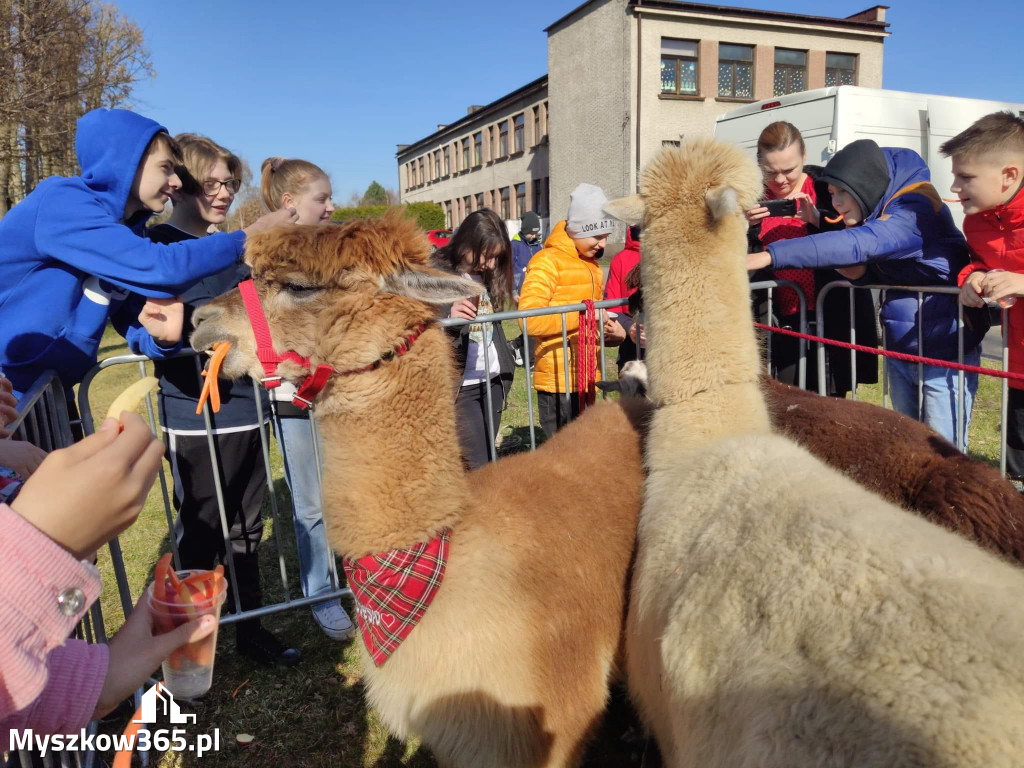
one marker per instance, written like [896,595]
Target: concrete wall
[668,119]
[529,166]
[589,73]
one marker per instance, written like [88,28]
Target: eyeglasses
[212,186]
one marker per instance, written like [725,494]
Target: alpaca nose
[204,313]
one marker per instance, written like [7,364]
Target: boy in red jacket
[988,175]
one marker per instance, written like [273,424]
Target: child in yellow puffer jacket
[565,272]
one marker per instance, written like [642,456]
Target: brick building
[626,77]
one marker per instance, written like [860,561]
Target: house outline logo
[159,697]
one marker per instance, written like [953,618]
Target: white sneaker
[333,620]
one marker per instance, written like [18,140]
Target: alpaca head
[341,295]
[693,195]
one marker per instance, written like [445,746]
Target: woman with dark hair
[782,157]
[481,250]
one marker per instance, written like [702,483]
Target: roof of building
[869,19]
[476,113]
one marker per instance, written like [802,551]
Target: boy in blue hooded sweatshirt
[898,232]
[73,252]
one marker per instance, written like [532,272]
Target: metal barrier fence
[43,421]
[920,291]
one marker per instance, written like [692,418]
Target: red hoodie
[996,240]
[622,263]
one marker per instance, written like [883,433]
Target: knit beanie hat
[861,170]
[529,224]
[586,213]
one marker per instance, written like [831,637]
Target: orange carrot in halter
[210,388]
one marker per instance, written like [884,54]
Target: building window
[536,125]
[447,160]
[547,120]
[520,199]
[478,148]
[503,138]
[736,71]
[437,164]
[790,71]
[504,203]
[537,196]
[467,204]
[840,69]
[448,214]
[679,66]
[479,201]
[423,176]
[465,154]
[519,132]
[412,174]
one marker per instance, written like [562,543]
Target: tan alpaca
[510,664]
[781,616]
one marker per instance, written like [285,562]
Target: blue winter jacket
[522,252]
[913,242]
[68,262]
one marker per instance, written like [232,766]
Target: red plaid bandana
[393,590]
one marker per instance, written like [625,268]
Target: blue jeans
[295,437]
[939,407]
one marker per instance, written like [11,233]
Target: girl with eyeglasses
[783,160]
[210,177]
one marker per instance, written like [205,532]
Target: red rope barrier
[896,355]
[586,356]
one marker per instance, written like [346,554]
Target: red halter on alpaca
[312,385]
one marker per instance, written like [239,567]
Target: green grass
[315,714]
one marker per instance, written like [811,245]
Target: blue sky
[342,83]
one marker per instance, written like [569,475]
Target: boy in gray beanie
[566,272]
[586,214]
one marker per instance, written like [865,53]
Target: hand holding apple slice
[132,397]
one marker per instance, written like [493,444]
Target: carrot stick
[836,220]
[951,200]
[210,389]
[160,578]
[123,758]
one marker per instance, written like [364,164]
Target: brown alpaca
[899,458]
[510,663]
[905,462]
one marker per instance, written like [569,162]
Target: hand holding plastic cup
[1006,302]
[177,598]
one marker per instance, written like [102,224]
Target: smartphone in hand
[779,207]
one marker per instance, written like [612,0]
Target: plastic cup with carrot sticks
[177,598]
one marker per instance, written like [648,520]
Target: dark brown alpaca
[906,462]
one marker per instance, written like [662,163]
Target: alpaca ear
[433,286]
[722,201]
[627,209]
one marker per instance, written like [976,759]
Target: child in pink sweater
[77,500]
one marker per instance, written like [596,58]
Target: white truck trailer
[830,118]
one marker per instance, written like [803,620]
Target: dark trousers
[243,479]
[475,441]
[1015,433]
[556,410]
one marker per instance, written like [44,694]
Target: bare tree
[58,59]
